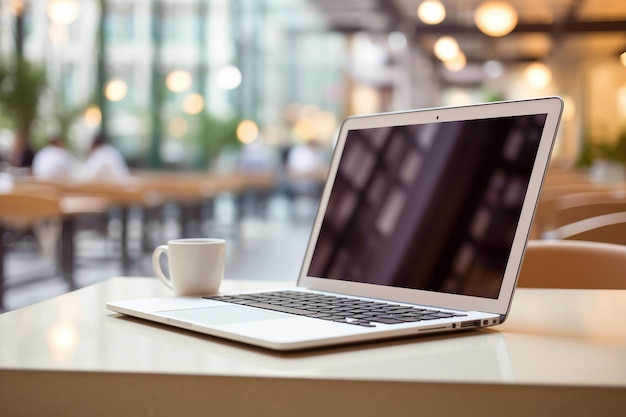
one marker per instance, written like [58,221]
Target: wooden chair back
[572,208]
[573,264]
[608,228]
[27,208]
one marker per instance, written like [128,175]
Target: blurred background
[224,86]
[167,80]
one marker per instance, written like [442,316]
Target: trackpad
[223,315]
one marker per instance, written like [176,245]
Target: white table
[561,352]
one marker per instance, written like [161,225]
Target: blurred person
[54,162]
[255,157]
[306,168]
[104,163]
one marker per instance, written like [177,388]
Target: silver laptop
[421,228]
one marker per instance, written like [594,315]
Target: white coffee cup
[196,266]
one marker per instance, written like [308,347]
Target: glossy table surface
[559,348]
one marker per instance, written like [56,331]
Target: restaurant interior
[224,114]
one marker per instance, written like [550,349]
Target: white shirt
[304,158]
[105,163]
[54,163]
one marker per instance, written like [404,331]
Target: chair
[575,207]
[21,210]
[608,228]
[564,177]
[550,193]
[30,205]
[573,264]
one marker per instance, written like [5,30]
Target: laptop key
[337,309]
[282,309]
[385,320]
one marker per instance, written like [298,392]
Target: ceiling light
[457,63]
[63,12]
[431,12]
[446,48]
[538,75]
[495,18]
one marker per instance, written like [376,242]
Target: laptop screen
[430,206]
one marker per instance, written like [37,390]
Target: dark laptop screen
[431,206]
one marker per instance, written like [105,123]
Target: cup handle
[156,265]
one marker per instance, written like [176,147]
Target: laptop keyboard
[335,308]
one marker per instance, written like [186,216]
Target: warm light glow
[178,127]
[193,103]
[365,99]
[292,112]
[459,98]
[229,77]
[538,75]
[326,125]
[17,7]
[63,12]
[569,109]
[62,338]
[457,63]
[431,12]
[622,58]
[495,18]
[621,102]
[115,90]
[178,81]
[304,129]
[93,116]
[446,48]
[247,131]
[57,34]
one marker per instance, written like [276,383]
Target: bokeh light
[247,131]
[457,63]
[446,48]
[115,90]
[178,81]
[93,116]
[193,103]
[431,12]
[178,127]
[495,18]
[538,75]
[229,77]
[63,12]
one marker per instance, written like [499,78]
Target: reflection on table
[559,352]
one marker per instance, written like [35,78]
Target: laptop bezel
[551,106]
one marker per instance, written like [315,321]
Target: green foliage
[594,150]
[21,85]
[212,134]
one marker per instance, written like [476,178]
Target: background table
[560,352]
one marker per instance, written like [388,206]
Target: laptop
[421,228]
